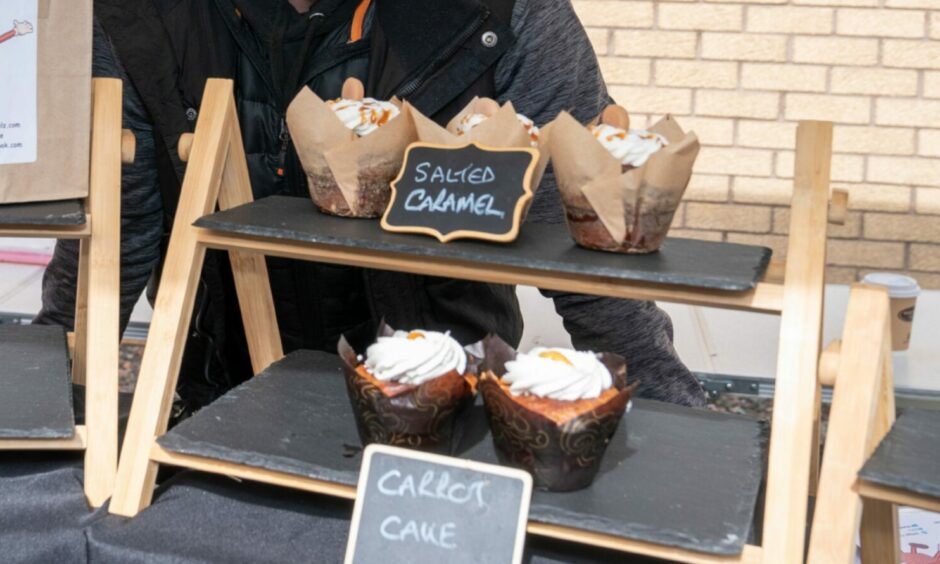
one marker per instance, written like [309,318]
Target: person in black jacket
[532,52]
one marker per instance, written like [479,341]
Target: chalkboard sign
[417,507]
[465,191]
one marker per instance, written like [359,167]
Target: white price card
[19,29]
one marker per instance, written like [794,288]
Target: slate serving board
[35,383]
[548,248]
[676,476]
[63,212]
[908,457]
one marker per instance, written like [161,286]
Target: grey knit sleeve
[552,67]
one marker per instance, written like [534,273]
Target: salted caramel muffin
[469,121]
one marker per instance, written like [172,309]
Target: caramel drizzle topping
[556,356]
[415,335]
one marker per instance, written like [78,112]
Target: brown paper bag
[502,129]
[56,168]
[611,210]
[348,175]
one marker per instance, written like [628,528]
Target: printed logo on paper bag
[18,47]
[462,192]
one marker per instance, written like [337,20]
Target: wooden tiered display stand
[218,175]
[96,222]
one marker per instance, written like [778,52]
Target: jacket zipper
[412,85]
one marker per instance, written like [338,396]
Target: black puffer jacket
[437,61]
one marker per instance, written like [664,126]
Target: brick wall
[742,72]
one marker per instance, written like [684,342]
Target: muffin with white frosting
[351,148]
[469,121]
[553,411]
[620,186]
[409,388]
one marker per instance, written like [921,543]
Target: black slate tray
[908,457]
[62,212]
[35,383]
[549,248]
[677,477]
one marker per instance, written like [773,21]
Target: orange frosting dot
[556,356]
[415,335]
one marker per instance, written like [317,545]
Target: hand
[22,28]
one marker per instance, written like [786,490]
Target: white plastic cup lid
[898,285]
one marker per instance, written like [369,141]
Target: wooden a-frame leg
[99,339]
[81,312]
[250,270]
[798,356]
[159,369]
[879,533]
[857,396]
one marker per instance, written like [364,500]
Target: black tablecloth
[195,518]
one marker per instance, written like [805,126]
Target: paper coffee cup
[903,291]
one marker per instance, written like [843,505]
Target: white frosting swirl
[559,374]
[470,121]
[633,147]
[415,357]
[363,116]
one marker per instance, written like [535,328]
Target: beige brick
[789,19]
[880,23]
[840,109]
[600,40]
[836,2]
[928,142]
[897,111]
[769,134]
[835,50]
[932,84]
[928,200]
[697,74]
[841,275]
[925,257]
[902,227]
[748,1]
[700,17]
[697,234]
[927,280]
[878,197]
[911,54]
[852,229]
[885,82]
[845,168]
[708,188]
[935,25]
[613,13]
[878,140]
[618,70]
[904,170]
[751,190]
[710,131]
[641,43]
[645,99]
[776,243]
[721,160]
[744,47]
[728,217]
[865,253]
[786,77]
[927,4]
[737,104]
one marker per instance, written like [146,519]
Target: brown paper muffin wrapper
[348,175]
[560,457]
[424,418]
[502,129]
[612,209]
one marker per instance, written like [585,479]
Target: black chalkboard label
[462,192]
[417,507]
